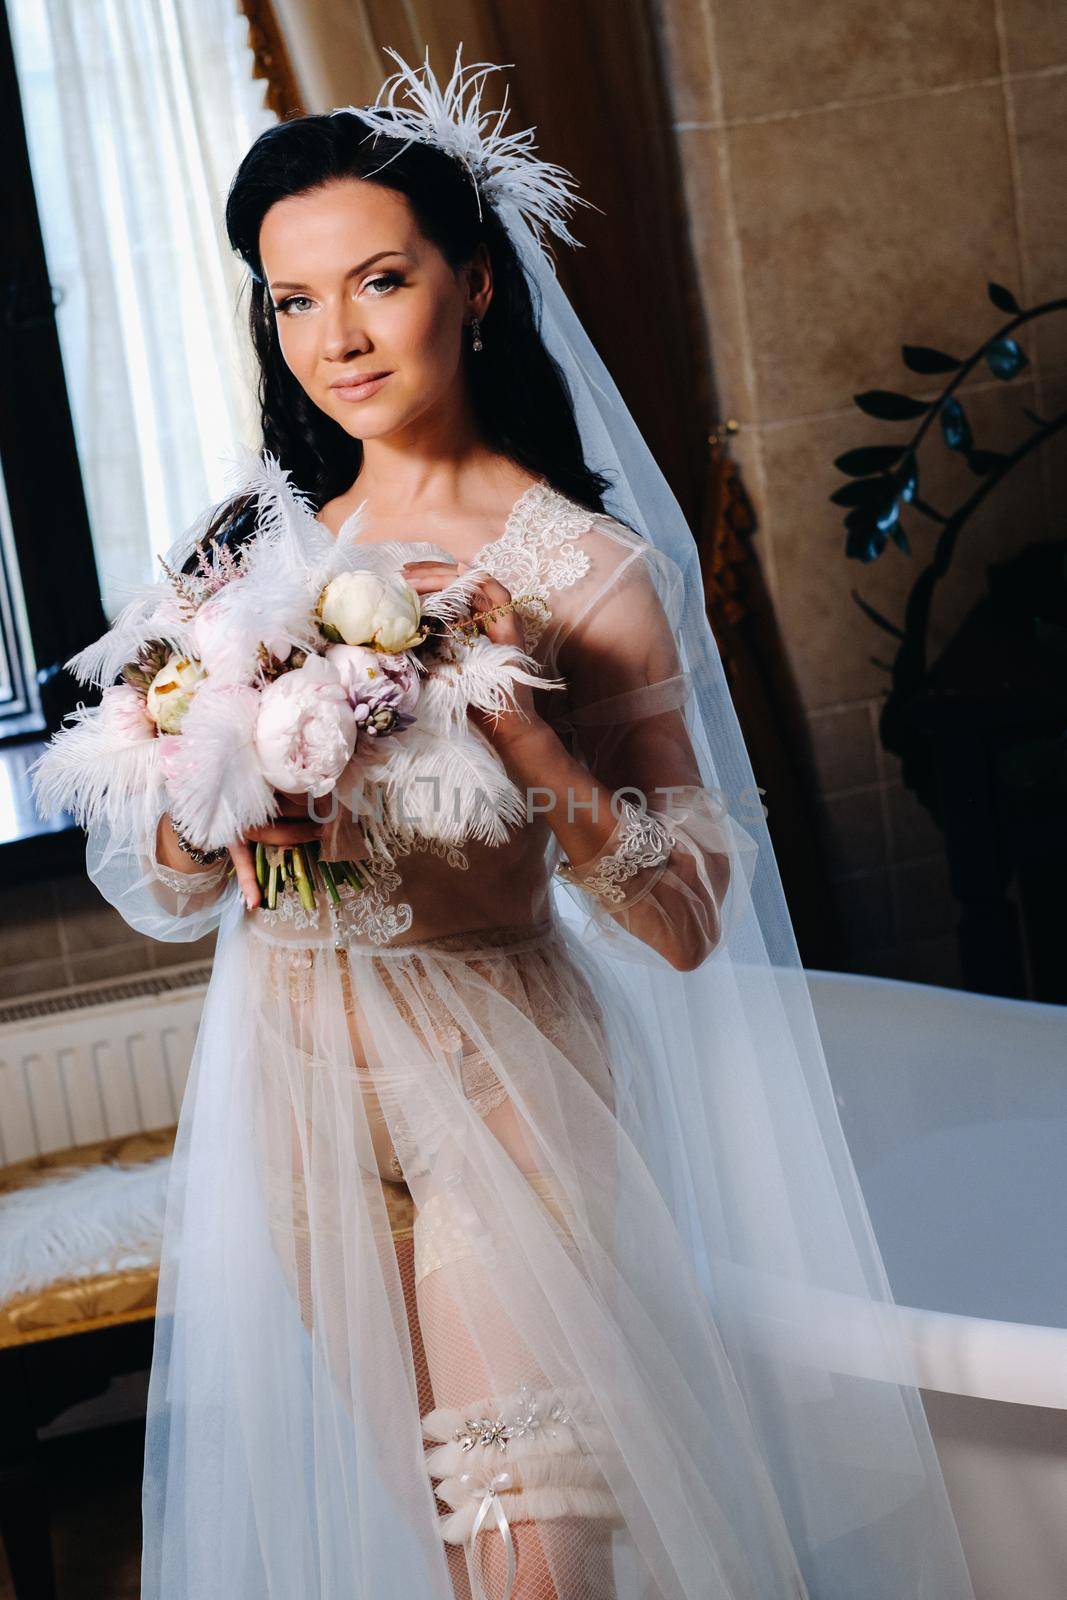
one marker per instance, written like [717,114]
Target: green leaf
[869,458]
[889,516]
[889,406]
[1005,358]
[864,547]
[908,478]
[864,491]
[865,541]
[877,617]
[955,428]
[923,358]
[1003,299]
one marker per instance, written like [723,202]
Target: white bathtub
[955,1109]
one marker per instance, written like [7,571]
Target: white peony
[363,608]
[306,729]
[171,692]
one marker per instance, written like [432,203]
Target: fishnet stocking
[566,1557]
[465,1348]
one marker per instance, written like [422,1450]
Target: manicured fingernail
[249,902]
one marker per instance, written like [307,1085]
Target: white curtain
[137,114]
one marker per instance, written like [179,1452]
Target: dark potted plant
[981,732]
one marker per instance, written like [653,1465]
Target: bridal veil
[656,1355]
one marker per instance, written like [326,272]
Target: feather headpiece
[502,166]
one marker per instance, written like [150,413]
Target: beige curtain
[135,129]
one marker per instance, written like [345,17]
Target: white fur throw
[80,1222]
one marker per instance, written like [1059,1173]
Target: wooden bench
[64,1343]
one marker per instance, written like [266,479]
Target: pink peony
[211,625]
[306,730]
[365,673]
[123,710]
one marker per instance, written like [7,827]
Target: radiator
[97,1060]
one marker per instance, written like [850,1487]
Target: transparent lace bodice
[430,890]
[599,608]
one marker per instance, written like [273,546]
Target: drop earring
[476,334]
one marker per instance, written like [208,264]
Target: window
[20,703]
[126,378]
[49,596]
[130,131]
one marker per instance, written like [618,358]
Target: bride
[651,1353]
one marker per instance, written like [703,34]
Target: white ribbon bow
[491,1506]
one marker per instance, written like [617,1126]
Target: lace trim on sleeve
[641,840]
[191,882]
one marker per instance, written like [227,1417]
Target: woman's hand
[302,829]
[506,628]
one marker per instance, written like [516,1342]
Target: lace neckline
[529,496]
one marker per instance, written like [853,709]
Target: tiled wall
[61,931]
[855,173]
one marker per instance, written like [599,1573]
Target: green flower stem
[303,866]
[318,866]
[303,882]
[328,879]
[310,853]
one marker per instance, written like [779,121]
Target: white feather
[484,675]
[263,602]
[214,780]
[353,526]
[154,614]
[453,602]
[81,1222]
[283,508]
[292,548]
[501,166]
[93,771]
[454,789]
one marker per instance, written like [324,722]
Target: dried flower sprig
[471,628]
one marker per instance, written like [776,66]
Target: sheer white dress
[582,1434]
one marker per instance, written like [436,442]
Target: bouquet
[301,663]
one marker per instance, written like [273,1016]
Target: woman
[572,1050]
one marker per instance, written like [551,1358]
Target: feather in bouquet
[303,663]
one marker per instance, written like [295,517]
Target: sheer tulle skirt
[557,1415]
